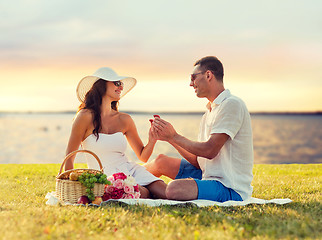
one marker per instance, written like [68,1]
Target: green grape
[88,180]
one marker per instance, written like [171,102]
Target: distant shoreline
[166,113]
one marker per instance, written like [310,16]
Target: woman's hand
[163,130]
[153,137]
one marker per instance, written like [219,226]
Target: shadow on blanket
[115,202]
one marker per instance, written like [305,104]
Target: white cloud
[256,40]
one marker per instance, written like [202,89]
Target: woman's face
[114,90]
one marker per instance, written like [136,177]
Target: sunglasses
[194,75]
[118,84]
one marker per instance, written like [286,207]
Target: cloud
[143,29]
[272,41]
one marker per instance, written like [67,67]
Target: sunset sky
[271,51]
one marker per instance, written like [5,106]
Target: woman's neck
[106,107]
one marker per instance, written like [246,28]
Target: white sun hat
[106,74]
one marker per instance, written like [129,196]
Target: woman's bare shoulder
[125,119]
[84,115]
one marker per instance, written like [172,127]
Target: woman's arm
[141,151]
[79,128]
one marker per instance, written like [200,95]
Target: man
[219,165]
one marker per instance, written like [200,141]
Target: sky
[271,51]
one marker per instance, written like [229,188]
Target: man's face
[198,81]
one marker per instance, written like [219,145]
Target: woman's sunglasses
[118,84]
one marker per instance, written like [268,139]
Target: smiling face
[114,90]
[199,82]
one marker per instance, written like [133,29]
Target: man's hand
[164,130]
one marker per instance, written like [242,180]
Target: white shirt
[234,163]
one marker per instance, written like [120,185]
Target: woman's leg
[157,189]
[145,193]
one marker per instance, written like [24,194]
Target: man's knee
[156,166]
[160,160]
[182,189]
[164,165]
[173,191]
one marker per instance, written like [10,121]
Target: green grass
[24,215]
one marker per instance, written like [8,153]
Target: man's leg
[182,189]
[157,189]
[164,165]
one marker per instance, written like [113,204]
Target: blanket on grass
[52,200]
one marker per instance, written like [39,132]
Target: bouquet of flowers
[121,187]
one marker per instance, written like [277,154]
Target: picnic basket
[70,191]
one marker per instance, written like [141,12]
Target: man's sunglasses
[118,84]
[194,75]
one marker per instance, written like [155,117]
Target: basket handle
[77,151]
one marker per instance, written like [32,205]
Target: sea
[278,138]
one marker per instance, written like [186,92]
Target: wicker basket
[70,191]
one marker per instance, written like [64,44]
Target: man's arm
[208,149]
[185,154]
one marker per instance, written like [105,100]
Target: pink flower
[129,196]
[106,187]
[137,195]
[128,189]
[109,189]
[122,187]
[119,175]
[117,194]
[136,188]
[118,183]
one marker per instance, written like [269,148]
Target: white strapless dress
[110,149]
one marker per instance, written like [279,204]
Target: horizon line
[172,112]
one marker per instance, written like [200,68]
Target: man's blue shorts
[207,189]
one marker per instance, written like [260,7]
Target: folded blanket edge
[52,200]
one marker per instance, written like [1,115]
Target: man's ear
[208,74]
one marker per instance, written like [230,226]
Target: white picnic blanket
[52,200]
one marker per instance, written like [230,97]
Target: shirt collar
[219,99]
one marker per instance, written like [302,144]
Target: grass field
[24,215]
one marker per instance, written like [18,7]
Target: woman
[102,129]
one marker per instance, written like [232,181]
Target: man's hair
[212,64]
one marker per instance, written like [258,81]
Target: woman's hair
[93,102]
